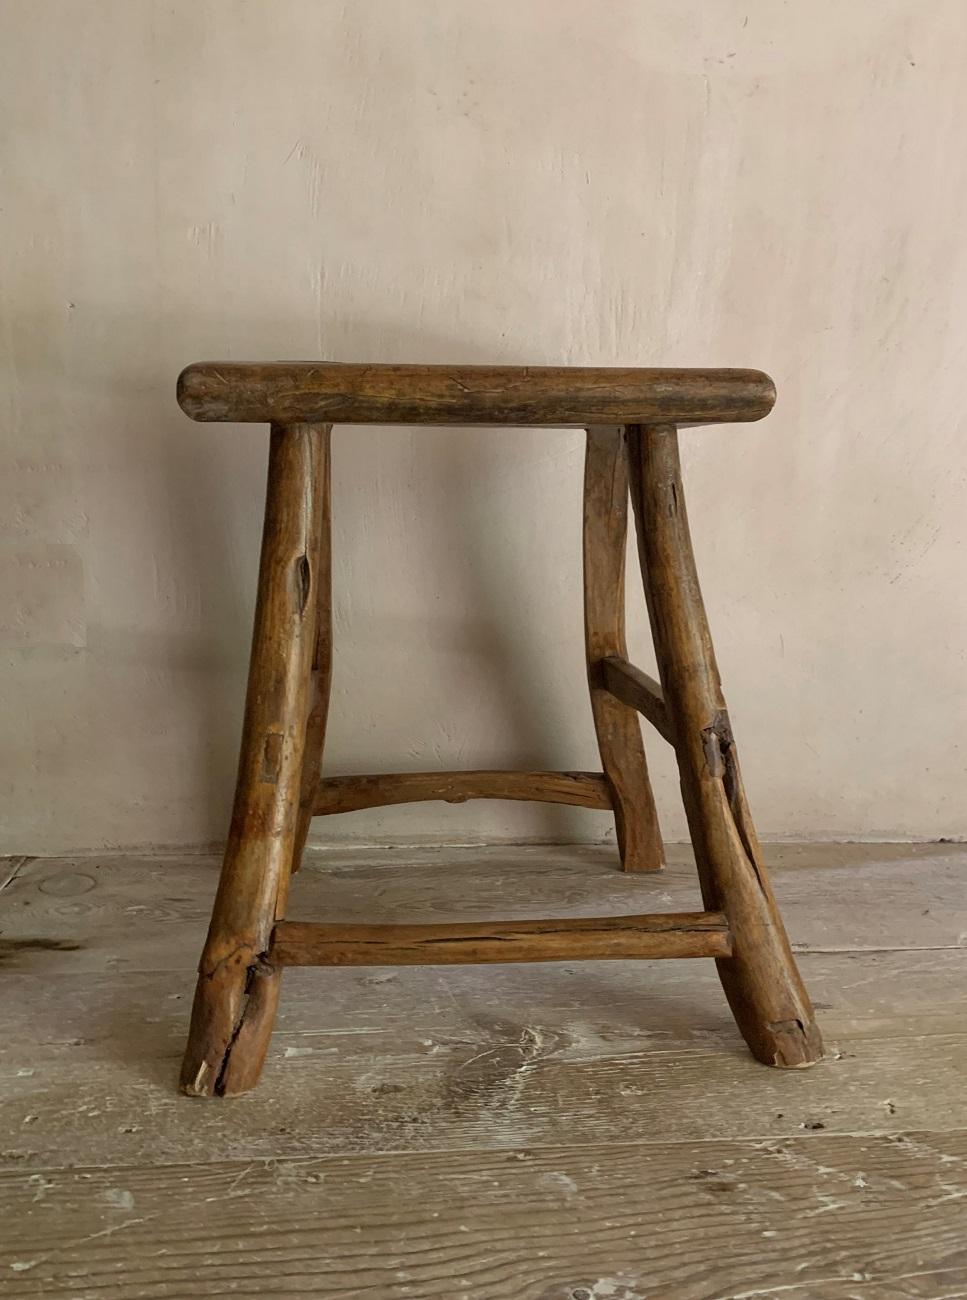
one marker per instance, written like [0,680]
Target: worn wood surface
[848,1218]
[504,1081]
[318,391]
[237,991]
[761,980]
[320,680]
[599,938]
[616,725]
[639,691]
[340,794]
[533,1129]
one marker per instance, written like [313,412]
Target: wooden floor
[558,1132]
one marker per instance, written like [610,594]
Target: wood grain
[450,1058]
[601,938]
[237,990]
[636,689]
[443,1012]
[828,1218]
[320,681]
[451,1123]
[761,981]
[340,794]
[616,725]
[322,392]
[504,1080]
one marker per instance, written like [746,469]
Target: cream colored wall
[559,181]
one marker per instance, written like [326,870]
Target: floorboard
[818,1216]
[586,1131]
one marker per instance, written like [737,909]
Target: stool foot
[615,723]
[761,982]
[231,1024]
[238,989]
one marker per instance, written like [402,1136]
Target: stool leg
[237,990]
[616,725]
[761,982]
[320,681]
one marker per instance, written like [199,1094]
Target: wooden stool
[631,418]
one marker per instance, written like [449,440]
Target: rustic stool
[631,417]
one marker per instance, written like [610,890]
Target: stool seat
[632,417]
[284,392]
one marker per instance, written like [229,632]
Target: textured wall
[561,181]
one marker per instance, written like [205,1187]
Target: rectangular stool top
[295,392]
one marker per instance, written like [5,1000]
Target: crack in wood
[260,968]
[586,939]
[722,761]
[304,578]
[210,972]
[14,866]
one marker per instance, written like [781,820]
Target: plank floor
[563,1132]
